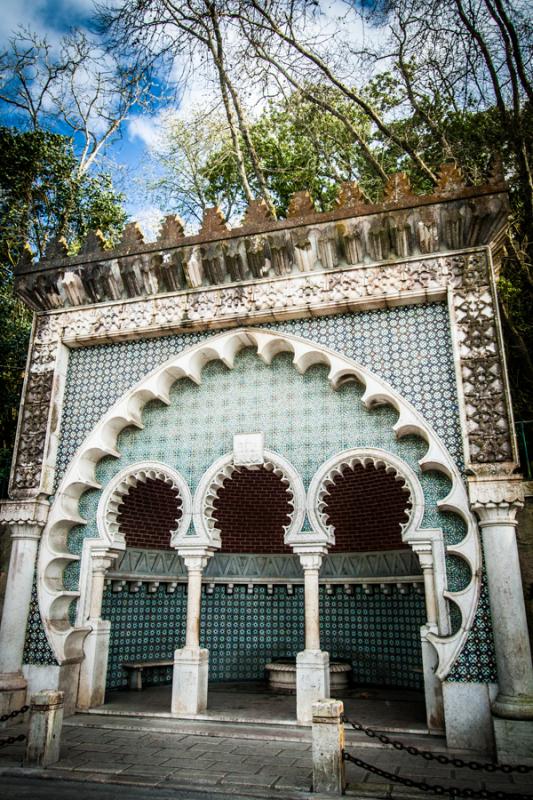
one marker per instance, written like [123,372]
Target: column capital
[102,561]
[311,560]
[496,498]
[195,558]
[19,514]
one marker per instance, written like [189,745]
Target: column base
[312,682]
[189,681]
[514,741]
[468,717]
[513,707]
[12,693]
[93,669]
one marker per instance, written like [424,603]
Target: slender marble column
[312,665]
[432,685]
[509,622]
[191,663]
[26,520]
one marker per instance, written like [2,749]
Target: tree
[75,89]
[41,196]
[192,167]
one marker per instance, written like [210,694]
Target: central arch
[67,638]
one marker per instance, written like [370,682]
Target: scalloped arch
[213,479]
[54,600]
[119,486]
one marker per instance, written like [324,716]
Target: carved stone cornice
[405,225]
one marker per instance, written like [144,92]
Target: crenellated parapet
[355,234]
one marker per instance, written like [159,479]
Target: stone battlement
[356,233]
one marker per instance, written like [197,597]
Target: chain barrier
[455,791]
[12,739]
[440,758]
[5,717]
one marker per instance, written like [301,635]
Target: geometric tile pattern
[392,342]
[379,633]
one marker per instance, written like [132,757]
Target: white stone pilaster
[25,519]
[93,670]
[432,684]
[191,663]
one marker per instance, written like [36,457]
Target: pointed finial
[257,213]
[398,187]
[171,229]
[213,223]
[56,248]
[301,205]
[497,175]
[349,195]
[132,236]
[25,261]
[94,243]
[450,179]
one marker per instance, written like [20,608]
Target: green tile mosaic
[144,625]
[392,342]
[378,633]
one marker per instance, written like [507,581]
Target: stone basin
[281,676]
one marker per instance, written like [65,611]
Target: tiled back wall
[378,633]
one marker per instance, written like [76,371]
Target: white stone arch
[66,639]
[428,543]
[120,485]
[213,479]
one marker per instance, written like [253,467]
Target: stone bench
[135,670]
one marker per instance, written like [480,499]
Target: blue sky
[129,152]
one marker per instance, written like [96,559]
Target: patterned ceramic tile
[379,634]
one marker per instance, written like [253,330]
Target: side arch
[54,600]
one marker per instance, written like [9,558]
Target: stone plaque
[248,449]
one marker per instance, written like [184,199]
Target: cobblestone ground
[165,758]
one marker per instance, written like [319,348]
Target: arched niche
[67,639]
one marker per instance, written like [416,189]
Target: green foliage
[41,196]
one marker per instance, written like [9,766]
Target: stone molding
[464,277]
[148,565]
[54,600]
[405,225]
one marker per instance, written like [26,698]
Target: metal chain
[12,740]
[471,794]
[440,758]
[5,717]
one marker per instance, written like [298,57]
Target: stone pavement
[230,760]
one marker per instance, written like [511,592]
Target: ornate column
[312,665]
[93,669]
[26,519]
[191,663]
[496,501]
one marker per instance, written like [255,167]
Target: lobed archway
[67,639]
